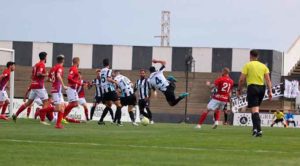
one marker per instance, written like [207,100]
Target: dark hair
[10,63]
[42,55]
[105,62]
[142,70]
[254,53]
[60,58]
[152,69]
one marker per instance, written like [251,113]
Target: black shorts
[98,99]
[170,94]
[144,103]
[110,96]
[278,120]
[255,95]
[129,100]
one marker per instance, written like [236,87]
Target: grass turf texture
[29,143]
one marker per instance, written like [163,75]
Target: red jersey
[38,82]
[56,71]
[73,77]
[5,79]
[80,89]
[224,85]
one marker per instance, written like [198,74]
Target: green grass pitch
[29,143]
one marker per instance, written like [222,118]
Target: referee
[255,73]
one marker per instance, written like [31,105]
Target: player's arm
[163,63]
[72,80]
[41,72]
[61,80]
[241,83]
[2,76]
[269,85]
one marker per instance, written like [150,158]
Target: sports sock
[111,113]
[104,114]
[28,111]
[118,114]
[92,112]
[225,117]
[149,113]
[69,108]
[131,115]
[21,109]
[59,118]
[86,112]
[4,108]
[257,121]
[217,115]
[71,120]
[202,118]
[44,111]
[253,122]
[50,116]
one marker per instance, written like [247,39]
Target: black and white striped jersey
[158,80]
[124,84]
[97,83]
[105,84]
[143,87]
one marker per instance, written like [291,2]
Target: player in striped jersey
[128,97]
[110,95]
[143,88]
[98,94]
[167,87]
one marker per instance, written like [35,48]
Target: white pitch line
[148,147]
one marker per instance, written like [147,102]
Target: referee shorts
[255,95]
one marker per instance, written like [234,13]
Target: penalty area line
[148,147]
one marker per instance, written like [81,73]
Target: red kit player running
[4,78]
[224,86]
[37,86]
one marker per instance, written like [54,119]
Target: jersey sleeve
[162,68]
[109,72]
[267,71]
[245,70]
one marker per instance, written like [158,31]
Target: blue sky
[270,24]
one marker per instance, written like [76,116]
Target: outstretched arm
[159,61]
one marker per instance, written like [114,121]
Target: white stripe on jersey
[97,83]
[158,80]
[106,86]
[143,87]
[124,84]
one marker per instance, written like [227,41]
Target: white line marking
[149,147]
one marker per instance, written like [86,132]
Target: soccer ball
[145,121]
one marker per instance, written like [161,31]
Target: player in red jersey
[56,77]
[81,96]
[4,78]
[37,86]
[73,82]
[224,85]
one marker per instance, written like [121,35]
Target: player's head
[142,73]
[105,62]
[278,111]
[60,59]
[98,73]
[116,73]
[43,56]
[76,61]
[11,65]
[152,69]
[254,55]
[225,71]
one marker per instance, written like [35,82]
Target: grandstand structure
[129,59]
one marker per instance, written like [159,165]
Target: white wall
[5,56]
[163,53]
[292,56]
[203,59]
[239,58]
[38,47]
[85,53]
[122,57]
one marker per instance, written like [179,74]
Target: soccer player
[224,86]
[110,95]
[255,73]
[142,86]
[290,118]
[128,97]
[279,117]
[4,78]
[158,81]
[74,82]
[81,95]
[37,86]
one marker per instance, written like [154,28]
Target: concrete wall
[291,57]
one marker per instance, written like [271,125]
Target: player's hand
[155,93]
[65,87]
[154,61]
[208,83]
[24,100]
[270,95]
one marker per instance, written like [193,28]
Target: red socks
[21,109]
[202,118]
[59,118]
[217,115]
[86,112]
[69,108]
[28,111]
[4,108]
[71,120]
